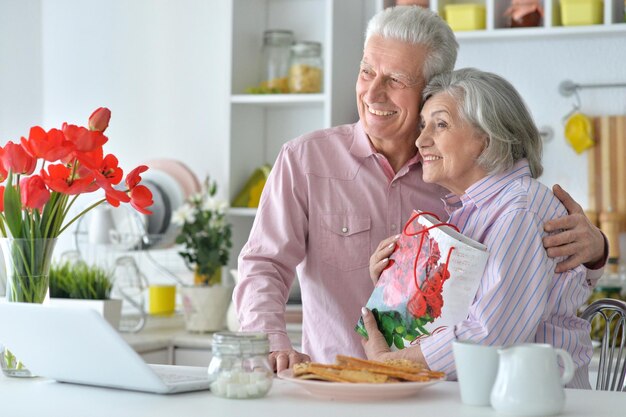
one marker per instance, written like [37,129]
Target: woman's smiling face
[449,145]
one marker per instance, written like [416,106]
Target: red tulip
[99,119]
[16,159]
[1,198]
[59,178]
[34,193]
[3,172]
[92,160]
[140,198]
[85,140]
[110,170]
[133,178]
[113,196]
[51,146]
[107,175]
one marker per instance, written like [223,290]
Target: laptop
[79,346]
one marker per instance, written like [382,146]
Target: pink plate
[180,172]
[357,391]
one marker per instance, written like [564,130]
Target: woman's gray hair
[418,26]
[493,106]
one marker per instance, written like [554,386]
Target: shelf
[497,23]
[242,211]
[569,31]
[278,99]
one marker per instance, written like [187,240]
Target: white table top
[39,397]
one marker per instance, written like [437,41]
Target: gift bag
[429,284]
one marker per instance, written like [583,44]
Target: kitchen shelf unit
[261,123]
[551,25]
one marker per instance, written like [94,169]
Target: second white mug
[476,367]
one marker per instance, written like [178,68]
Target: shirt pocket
[345,240]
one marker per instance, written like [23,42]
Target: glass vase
[27,263]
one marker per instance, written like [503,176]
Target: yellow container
[581,12]
[466,16]
[162,299]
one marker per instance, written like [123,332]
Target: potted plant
[78,284]
[205,240]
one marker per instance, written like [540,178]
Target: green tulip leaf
[12,208]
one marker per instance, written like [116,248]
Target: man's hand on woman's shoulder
[579,240]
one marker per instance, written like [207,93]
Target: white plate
[157,221]
[176,195]
[357,391]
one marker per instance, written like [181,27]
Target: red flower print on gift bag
[413,297]
[429,274]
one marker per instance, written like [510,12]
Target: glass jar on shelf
[276,55]
[306,70]
[240,367]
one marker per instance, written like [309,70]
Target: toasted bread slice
[401,368]
[350,369]
[363,376]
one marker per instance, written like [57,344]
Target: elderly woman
[479,141]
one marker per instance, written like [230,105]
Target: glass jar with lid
[305,70]
[240,367]
[276,55]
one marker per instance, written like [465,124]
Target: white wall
[21,72]
[159,65]
[162,67]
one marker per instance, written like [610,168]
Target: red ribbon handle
[419,248]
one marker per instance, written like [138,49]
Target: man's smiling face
[389,90]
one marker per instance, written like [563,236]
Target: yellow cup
[162,299]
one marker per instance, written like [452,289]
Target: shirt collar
[481,191]
[362,147]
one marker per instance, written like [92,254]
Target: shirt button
[344,229]
[393,185]
[393,226]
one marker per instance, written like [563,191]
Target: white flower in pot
[205,240]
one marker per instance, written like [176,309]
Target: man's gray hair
[418,26]
[493,106]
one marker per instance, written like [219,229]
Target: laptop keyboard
[173,378]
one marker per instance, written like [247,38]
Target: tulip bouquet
[35,206]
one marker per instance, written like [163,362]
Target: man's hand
[380,258]
[579,240]
[285,359]
[375,346]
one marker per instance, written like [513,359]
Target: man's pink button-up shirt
[329,201]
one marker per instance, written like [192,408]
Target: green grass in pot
[80,281]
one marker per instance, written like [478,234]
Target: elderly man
[334,194]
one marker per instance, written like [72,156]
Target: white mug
[476,368]
[101,225]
